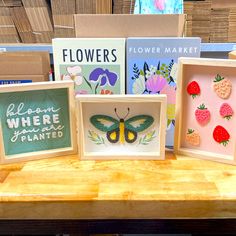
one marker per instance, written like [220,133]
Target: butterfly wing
[136,124]
[130,136]
[113,136]
[104,123]
[139,123]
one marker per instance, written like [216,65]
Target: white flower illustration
[74,73]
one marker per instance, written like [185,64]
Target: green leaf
[88,83]
[168,122]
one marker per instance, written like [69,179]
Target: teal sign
[34,121]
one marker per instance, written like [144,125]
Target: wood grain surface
[67,188]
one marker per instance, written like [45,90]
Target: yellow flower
[94,135]
[171,111]
[149,135]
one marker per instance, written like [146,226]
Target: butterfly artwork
[122,130]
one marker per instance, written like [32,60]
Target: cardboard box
[125,25]
[223,4]
[232,55]
[24,63]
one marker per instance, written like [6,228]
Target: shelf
[25,47]
[205,47]
[218,47]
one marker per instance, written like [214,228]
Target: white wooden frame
[115,99]
[4,159]
[183,62]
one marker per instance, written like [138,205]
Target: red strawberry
[226,111]
[221,135]
[202,115]
[193,89]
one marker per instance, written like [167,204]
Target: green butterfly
[122,130]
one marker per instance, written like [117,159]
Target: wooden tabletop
[67,188]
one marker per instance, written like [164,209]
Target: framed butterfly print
[121,127]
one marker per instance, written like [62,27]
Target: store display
[152,69]
[128,25]
[37,120]
[95,65]
[121,127]
[206,130]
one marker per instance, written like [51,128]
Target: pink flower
[170,91]
[155,83]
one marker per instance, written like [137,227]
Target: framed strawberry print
[205,113]
[121,127]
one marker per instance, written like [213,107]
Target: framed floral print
[96,65]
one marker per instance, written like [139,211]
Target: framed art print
[121,127]
[96,65]
[205,113]
[152,65]
[36,121]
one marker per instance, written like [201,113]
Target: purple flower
[155,83]
[104,76]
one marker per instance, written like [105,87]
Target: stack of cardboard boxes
[8,32]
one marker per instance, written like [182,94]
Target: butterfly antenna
[117,114]
[127,113]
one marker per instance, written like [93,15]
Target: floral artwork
[93,80]
[157,79]
[121,130]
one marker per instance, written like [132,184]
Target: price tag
[3,49]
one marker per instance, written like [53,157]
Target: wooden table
[65,195]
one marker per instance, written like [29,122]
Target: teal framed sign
[37,120]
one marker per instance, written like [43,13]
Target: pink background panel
[205,75]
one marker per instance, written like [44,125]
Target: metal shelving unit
[216,50]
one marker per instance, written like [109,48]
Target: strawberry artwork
[193,89]
[221,135]
[193,137]
[202,115]
[226,111]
